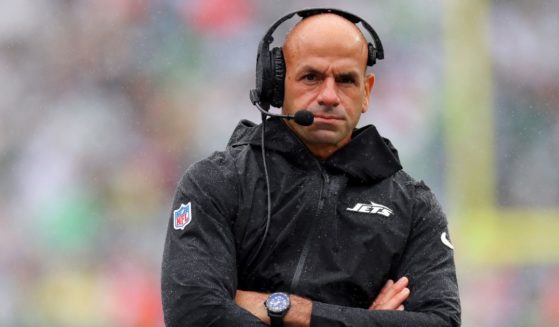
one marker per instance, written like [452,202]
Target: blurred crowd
[526,102]
[103,104]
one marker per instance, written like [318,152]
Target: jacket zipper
[306,247]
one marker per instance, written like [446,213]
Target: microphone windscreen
[304,117]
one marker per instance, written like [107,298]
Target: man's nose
[328,93]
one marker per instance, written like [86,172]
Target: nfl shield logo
[182,216]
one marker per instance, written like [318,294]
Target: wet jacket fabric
[339,229]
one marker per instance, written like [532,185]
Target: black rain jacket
[339,229]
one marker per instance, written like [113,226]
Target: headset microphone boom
[301,117]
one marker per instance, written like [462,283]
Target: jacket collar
[368,157]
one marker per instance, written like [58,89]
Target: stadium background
[104,103]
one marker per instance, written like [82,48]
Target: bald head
[324,33]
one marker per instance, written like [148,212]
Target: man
[346,220]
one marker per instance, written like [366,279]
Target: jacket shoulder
[217,168]
[409,183]
[421,196]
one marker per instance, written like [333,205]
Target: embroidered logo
[373,208]
[182,216]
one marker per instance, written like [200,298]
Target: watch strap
[277,320]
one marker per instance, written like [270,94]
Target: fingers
[392,295]
[396,288]
[385,289]
[396,301]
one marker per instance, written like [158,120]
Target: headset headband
[268,39]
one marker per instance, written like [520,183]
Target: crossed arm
[391,297]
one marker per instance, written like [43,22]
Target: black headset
[270,65]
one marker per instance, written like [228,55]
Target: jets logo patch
[373,208]
[182,216]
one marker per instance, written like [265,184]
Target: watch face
[277,302]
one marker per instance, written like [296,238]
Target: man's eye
[310,77]
[346,80]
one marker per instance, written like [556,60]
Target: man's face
[325,74]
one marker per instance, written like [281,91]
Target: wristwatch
[277,305]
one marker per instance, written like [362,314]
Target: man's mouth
[325,118]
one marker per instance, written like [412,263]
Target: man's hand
[253,302]
[392,295]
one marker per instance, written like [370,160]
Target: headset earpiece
[278,77]
[372,55]
[258,94]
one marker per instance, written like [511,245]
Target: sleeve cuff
[324,314]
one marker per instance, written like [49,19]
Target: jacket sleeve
[428,262]
[199,275]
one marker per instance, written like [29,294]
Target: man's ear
[367,88]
